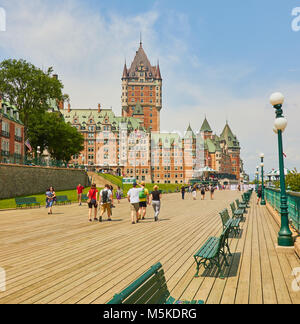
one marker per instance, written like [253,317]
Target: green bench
[84,198]
[27,202]
[233,223]
[62,200]
[246,199]
[239,213]
[151,288]
[240,205]
[211,252]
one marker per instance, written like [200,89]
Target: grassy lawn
[72,194]
[41,198]
[118,182]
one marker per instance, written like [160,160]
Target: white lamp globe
[277,98]
[262,165]
[281,123]
[262,155]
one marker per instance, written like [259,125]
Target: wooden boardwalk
[65,259]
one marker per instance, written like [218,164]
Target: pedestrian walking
[133,197]
[119,195]
[111,203]
[53,195]
[194,192]
[49,201]
[183,192]
[106,201]
[212,191]
[144,201]
[79,189]
[92,202]
[259,194]
[155,200]
[202,193]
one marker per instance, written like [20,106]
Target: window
[18,148]
[5,127]
[18,132]
[5,146]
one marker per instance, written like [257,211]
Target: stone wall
[16,181]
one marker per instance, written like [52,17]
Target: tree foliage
[32,90]
[292,181]
[28,88]
[49,131]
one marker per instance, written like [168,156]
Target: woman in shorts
[194,192]
[92,202]
[119,195]
[212,191]
[49,201]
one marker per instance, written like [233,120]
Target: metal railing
[273,198]
[5,134]
[18,159]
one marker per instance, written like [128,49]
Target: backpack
[142,194]
[105,196]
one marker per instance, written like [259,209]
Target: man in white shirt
[133,196]
[105,201]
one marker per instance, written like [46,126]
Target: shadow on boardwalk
[228,271]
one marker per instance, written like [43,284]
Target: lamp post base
[263,203]
[285,241]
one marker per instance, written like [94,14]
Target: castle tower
[233,148]
[142,84]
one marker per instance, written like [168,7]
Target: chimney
[99,108]
[61,105]
[69,107]
[55,76]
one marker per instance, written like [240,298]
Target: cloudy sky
[218,58]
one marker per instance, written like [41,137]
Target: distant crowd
[139,198]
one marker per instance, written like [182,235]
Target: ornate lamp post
[285,234]
[257,179]
[38,152]
[263,202]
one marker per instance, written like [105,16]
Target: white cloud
[88,49]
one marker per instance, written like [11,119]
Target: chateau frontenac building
[132,145]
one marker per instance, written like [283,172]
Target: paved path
[65,259]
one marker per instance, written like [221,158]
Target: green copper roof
[229,137]
[14,116]
[166,139]
[210,146]
[138,110]
[84,117]
[189,133]
[206,127]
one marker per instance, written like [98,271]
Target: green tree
[49,131]
[293,180]
[28,88]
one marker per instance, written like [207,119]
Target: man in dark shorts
[144,201]
[92,202]
[183,192]
[80,189]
